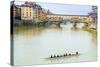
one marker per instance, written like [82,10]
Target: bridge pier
[86,24]
[74,23]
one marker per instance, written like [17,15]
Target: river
[33,45]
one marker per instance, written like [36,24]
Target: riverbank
[92,31]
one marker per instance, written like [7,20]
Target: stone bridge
[62,18]
[70,17]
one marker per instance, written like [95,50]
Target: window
[26,13]
[23,14]
[30,13]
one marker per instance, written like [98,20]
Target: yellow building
[27,11]
[33,11]
[42,15]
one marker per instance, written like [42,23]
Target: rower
[51,56]
[54,56]
[64,55]
[69,54]
[77,53]
[58,56]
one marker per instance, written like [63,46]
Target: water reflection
[74,28]
[62,59]
[31,31]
